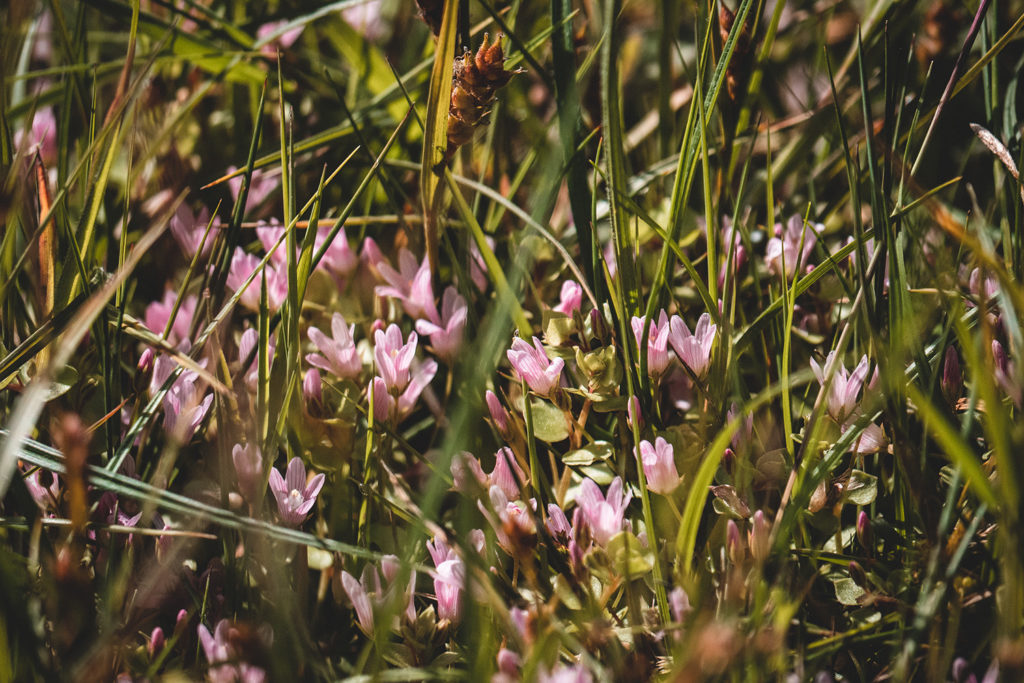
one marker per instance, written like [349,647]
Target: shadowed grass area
[387,340]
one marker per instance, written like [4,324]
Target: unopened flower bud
[760,537]
[312,390]
[864,533]
[634,418]
[145,364]
[734,543]
[156,642]
[498,413]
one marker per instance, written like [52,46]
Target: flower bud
[145,364]
[156,642]
[864,533]
[312,390]
[498,413]
[952,379]
[760,537]
[734,543]
[634,417]
[858,574]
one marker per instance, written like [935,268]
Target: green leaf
[861,489]
[628,556]
[847,591]
[599,450]
[548,421]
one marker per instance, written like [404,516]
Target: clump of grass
[331,350]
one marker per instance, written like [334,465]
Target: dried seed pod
[475,78]
[431,12]
[738,71]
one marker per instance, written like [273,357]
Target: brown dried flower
[475,78]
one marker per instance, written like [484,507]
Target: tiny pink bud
[734,543]
[634,418]
[145,363]
[864,532]
[760,537]
[156,642]
[312,389]
[498,413]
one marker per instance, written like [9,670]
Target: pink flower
[448,581]
[41,136]
[507,474]
[159,312]
[188,230]
[446,332]
[694,350]
[657,343]
[843,391]
[184,410]
[242,266]
[570,299]
[247,351]
[533,365]
[220,651]
[558,524]
[367,18]
[394,358]
[282,39]
[410,284]
[338,259]
[659,466]
[260,186]
[511,515]
[45,495]
[386,407]
[791,248]
[603,514]
[562,673]
[368,592]
[295,498]
[249,470]
[340,357]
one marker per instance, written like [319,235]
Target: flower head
[532,364]
[659,466]
[602,513]
[791,247]
[446,331]
[338,354]
[394,358]
[410,284]
[249,470]
[224,657]
[657,342]
[570,298]
[842,395]
[694,350]
[295,498]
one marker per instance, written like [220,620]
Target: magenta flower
[159,312]
[223,657]
[295,498]
[842,395]
[657,343]
[339,355]
[659,466]
[394,358]
[791,248]
[570,298]
[386,407]
[532,364]
[603,514]
[446,332]
[249,470]
[410,284]
[694,350]
[41,136]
